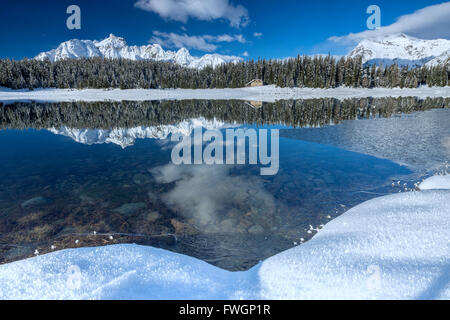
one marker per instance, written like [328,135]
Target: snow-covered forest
[303,71]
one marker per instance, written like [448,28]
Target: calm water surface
[96,174]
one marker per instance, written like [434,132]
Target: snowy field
[265,94]
[393,247]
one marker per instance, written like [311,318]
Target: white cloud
[182,10]
[428,23]
[245,54]
[173,40]
[225,38]
[203,42]
[206,194]
[257,34]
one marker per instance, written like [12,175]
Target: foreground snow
[394,247]
[436,182]
[265,94]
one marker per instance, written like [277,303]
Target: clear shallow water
[57,187]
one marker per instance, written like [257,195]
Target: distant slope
[403,50]
[115,47]
[443,59]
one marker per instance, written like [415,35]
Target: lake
[100,173]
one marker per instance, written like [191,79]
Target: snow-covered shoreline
[392,247]
[265,94]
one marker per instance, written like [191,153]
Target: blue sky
[264,28]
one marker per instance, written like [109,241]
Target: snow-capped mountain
[401,49]
[126,137]
[115,47]
[443,59]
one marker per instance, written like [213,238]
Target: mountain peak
[112,41]
[115,47]
[399,48]
[403,35]
[183,51]
[183,57]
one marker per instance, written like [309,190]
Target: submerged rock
[37,201]
[86,199]
[256,229]
[152,196]
[141,179]
[183,228]
[18,252]
[152,216]
[228,225]
[130,208]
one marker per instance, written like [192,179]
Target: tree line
[129,114]
[302,71]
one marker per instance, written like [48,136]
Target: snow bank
[436,182]
[116,272]
[265,94]
[393,247]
